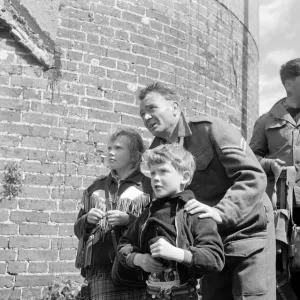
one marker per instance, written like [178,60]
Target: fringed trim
[134,206]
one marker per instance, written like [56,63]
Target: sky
[279,42]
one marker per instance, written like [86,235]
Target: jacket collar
[184,196]
[135,175]
[278,111]
[181,130]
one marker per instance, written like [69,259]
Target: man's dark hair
[290,70]
[158,88]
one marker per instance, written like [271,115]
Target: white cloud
[273,16]
[268,82]
[281,56]
[267,100]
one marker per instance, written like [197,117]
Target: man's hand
[117,217]
[162,248]
[277,165]
[95,215]
[193,207]
[147,263]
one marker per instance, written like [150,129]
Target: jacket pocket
[203,156]
[245,247]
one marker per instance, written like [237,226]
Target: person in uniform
[229,186]
[275,142]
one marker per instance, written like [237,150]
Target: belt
[157,292]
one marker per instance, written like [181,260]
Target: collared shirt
[276,135]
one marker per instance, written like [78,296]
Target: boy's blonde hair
[136,145]
[181,159]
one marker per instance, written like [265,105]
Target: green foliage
[63,289]
[12,182]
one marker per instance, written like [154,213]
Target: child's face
[119,156]
[166,180]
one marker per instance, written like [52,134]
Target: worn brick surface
[56,122]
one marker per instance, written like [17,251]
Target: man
[276,142]
[229,185]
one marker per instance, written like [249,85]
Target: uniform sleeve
[207,250]
[259,145]
[242,167]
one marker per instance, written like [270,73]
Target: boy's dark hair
[136,145]
[168,93]
[290,70]
[181,159]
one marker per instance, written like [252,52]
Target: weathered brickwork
[55,122]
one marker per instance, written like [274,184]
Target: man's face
[293,86]
[158,114]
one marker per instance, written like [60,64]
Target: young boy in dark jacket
[172,247]
[109,206]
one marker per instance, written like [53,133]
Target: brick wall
[55,122]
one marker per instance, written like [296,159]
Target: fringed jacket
[97,243]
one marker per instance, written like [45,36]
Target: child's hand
[117,217]
[148,263]
[162,248]
[95,215]
[193,207]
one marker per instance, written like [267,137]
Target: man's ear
[186,177]
[288,85]
[176,108]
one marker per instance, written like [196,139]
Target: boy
[109,206]
[174,247]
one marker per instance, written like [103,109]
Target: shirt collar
[182,130]
[134,175]
[279,111]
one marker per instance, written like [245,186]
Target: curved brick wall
[55,122]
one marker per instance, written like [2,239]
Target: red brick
[68,205]
[120,55]
[37,267]
[8,255]
[8,140]
[8,229]
[68,168]
[48,108]
[38,229]
[77,146]
[10,92]
[66,230]
[104,116]
[3,242]
[96,103]
[97,136]
[38,255]
[56,156]
[23,216]
[103,127]
[37,167]
[64,243]
[70,24]
[105,10]
[28,242]
[72,88]
[130,120]
[31,293]
[67,254]
[39,119]
[3,267]
[31,94]
[39,155]
[62,98]
[71,34]
[128,109]
[4,215]
[15,267]
[29,82]
[10,116]
[40,205]
[62,267]
[73,55]
[93,38]
[91,171]
[76,123]
[77,134]
[33,280]
[73,181]
[43,143]
[6,281]
[35,192]
[64,193]
[63,217]
[8,203]
[127,26]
